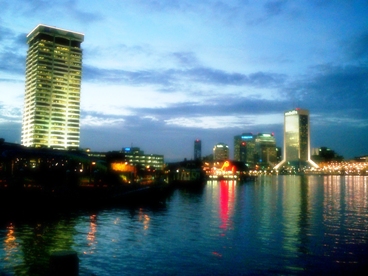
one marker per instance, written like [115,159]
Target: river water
[276,225]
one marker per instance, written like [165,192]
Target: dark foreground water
[278,225]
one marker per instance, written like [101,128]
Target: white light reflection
[91,236]
[144,218]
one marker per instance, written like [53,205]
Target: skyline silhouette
[161,74]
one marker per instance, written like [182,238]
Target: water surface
[277,225]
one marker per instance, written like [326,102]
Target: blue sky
[159,74]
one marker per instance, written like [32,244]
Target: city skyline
[161,74]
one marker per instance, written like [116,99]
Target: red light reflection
[227,199]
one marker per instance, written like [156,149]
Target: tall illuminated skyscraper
[296,139]
[51,112]
[220,152]
[197,149]
[244,149]
[265,152]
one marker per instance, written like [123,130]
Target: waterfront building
[244,149]
[325,154]
[136,157]
[296,140]
[220,152]
[51,115]
[265,150]
[197,149]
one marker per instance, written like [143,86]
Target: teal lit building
[244,149]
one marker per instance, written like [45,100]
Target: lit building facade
[220,152]
[134,156]
[265,148]
[244,149]
[197,149]
[51,115]
[296,139]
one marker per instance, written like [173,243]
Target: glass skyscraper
[197,149]
[220,152]
[296,139]
[51,115]
[265,153]
[244,149]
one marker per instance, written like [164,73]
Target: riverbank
[31,198]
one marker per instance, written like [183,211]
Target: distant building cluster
[260,151]
[256,149]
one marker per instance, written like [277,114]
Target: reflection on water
[144,218]
[28,243]
[91,235]
[345,219]
[227,198]
[295,225]
[10,245]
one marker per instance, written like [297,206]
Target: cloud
[336,95]
[10,114]
[337,87]
[168,77]
[12,51]
[94,119]
[217,106]
[274,8]
[357,47]
[116,76]
[56,10]
[218,12]
[268,10]
[164,5]
[5,33]
[12,62]
[186,59]
[219,77]
[229,121]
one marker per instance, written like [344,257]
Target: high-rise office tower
[197,149]
[244,149]
[265,152]
[296,139]
[51,112]
[220,152]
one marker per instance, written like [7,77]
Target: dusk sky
[159,74]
